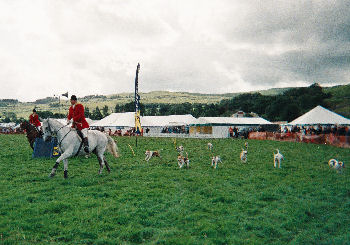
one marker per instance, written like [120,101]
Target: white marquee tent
[231,121]
[162,121]
[154,124]
[320,115]
[117,120]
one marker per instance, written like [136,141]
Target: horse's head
[24,125]
[46,128]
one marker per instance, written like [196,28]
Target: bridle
[49,128]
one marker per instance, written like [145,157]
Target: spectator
[235,131]
[230,131]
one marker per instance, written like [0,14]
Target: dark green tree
[96,114]
[105,111]
[87,112]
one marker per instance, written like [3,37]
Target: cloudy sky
[93,46]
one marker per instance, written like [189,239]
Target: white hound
[277,158]
[215,160]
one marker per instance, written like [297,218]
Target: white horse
[69,144]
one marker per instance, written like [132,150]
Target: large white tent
[154,125]
[320,115]
[201,127]
[127,119]
[231,121]
[162,121]
[117,120]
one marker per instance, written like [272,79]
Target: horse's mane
[28,126]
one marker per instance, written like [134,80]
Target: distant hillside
[340,101]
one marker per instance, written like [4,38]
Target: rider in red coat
[34,119]
[76,112]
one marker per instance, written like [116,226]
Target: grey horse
[69,144]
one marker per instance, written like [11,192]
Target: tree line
[283,107]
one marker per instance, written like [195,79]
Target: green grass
[305,202]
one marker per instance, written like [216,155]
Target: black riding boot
[86,145]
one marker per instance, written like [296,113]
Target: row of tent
[127,119]
[211,126]
[318,115]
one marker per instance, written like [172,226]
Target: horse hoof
[51,175]
[65,174]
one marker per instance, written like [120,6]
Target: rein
[60,142]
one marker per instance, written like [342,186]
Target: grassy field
[305,202]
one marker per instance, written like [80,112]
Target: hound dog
[337,165]
[215,160]
[277,158]
[150,154]
[210,146]
[181,161]
[180,149]
[244,155]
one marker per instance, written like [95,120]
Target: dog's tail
[112,147]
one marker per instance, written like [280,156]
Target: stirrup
[86,149]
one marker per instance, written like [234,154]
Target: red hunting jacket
[34,120]
[78,116]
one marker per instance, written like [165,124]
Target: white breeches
[84,131]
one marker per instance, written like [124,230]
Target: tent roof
[171,120]
[126,119]
[320,115]
[231,121]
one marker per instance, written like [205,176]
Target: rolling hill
[339,102]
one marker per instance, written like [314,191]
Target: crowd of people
[176,130]
[319,129]
[119,132]
[10,130]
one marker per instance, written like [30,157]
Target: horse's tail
[112,147]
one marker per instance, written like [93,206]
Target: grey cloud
[93,46]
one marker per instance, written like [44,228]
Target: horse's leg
[100,161]
[31,142]
[106,163]
[99,153]
[65,155]
[65,162]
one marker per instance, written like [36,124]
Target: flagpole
[137,101]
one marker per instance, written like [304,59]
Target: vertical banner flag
[137,102]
